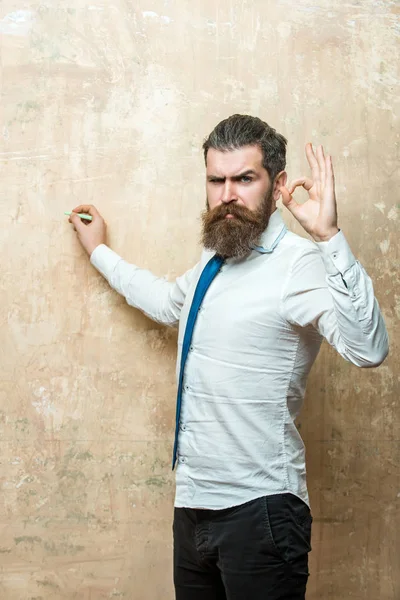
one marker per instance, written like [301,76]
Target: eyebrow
[235,178]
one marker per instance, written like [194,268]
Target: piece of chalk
[81,215]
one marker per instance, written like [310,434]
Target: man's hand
[318,215]
[90,233]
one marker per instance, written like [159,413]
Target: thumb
[288,200]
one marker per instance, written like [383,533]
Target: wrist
[92,248]
[326,236]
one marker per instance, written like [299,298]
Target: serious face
[240,200]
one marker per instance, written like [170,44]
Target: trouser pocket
[287,521]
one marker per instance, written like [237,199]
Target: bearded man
[251,315]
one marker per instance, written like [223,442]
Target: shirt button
[186,388]
[183,427]
[182,459]
[191,348]
[335,255]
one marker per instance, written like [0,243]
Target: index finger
[87,208]
[312,161]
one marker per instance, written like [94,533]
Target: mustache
[241,213]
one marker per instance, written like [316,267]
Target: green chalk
[81,215]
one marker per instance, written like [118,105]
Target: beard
[233,237]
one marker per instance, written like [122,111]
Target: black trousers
[255,551]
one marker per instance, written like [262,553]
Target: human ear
[280,181]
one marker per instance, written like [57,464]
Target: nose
[228,193]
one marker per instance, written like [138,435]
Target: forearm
[328,289]
[360,331]
[154,296]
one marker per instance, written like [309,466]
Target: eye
[216,181]
[246,179]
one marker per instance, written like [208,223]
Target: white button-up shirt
[256,337]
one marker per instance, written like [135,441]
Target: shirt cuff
[104,260]
[336,254]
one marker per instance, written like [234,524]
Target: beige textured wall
[107,102]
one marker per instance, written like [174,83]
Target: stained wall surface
[107,102]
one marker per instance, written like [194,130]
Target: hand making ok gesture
[318,215]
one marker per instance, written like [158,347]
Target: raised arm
[154,296]
[327,287]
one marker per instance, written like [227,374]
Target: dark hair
[243,130]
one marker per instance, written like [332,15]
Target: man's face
[240,200]
[237,176]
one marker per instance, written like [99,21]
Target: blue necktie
[209,272]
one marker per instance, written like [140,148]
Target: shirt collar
[275,231]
